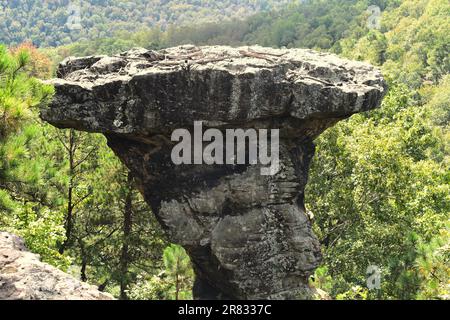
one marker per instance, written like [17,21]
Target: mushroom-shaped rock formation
[246,232]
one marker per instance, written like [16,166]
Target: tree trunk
[83,261]
[127,228]
[103,285]
[69,214]
[177,280]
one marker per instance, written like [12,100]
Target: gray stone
[24,277]
[248,236]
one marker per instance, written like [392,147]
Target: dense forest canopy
[58,22]
[379,185]
[315,24]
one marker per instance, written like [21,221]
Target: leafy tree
[173,282]
[433,263]
[39,64]
[178,269]
[116,237]
[412,45]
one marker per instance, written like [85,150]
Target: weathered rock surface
[23,276]
[247,234]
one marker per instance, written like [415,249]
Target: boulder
[24,277]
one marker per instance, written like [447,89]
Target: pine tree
[178,268]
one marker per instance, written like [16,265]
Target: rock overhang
[142,91]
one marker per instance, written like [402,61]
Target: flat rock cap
[143,91]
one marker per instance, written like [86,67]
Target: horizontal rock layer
[143,92]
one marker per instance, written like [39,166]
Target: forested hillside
[58,22]
[317,24]
[379,187]
[312,24]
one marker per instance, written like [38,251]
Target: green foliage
[45,23]
[413,43]
[174,282]
[313,24]
[379,183]
[155,288]
[433,263]
[355,293]
[376,179]
[108,253]
[322,279]
[18,92]
[42,232]
[45,171]
[179,271]
[20,208]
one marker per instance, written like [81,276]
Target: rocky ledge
[248,235]
[24,277]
